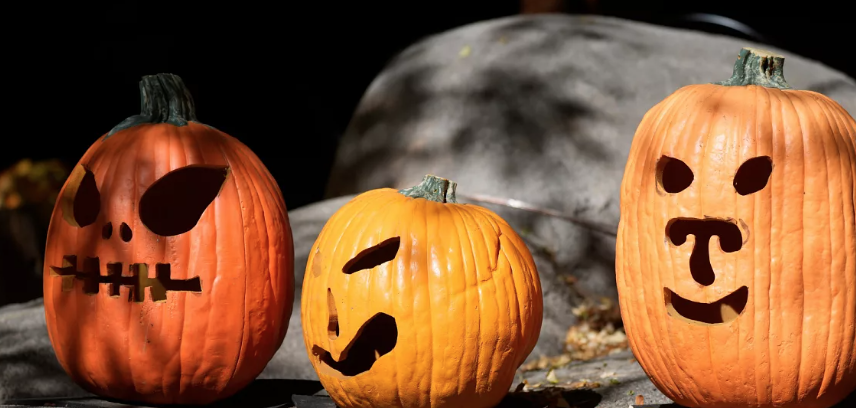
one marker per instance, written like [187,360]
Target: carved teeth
[138,279]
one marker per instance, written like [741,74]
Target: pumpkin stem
[164,99]
[758,67]
[433,188]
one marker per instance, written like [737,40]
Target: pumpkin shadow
[551,397]
[261,393]
[848,402]
[269,393]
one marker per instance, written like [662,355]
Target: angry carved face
[171,206]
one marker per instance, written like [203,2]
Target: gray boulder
[539,108]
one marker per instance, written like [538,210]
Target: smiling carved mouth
[719,312]
[374,339]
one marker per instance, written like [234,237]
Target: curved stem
[163,99]
[758,67]
[433,188]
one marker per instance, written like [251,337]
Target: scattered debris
[584,384]
[598,333]
[465,52]
[552,397]
[640,400]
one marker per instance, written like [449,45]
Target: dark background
[284,78]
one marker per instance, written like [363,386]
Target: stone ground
[31,376]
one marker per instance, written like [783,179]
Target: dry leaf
[583,384]
[464,51]
[551,377]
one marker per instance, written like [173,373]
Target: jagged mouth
[137,280]
[376,338]
[722,311]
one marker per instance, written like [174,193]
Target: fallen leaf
[583,384]
[464,51]
[551,377]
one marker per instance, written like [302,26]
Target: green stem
[433,188]
[758,67]
[164,99]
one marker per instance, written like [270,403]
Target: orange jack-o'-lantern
[412,300]
[736,251]
[169,261]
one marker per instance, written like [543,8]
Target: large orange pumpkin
[169,262]
[412,300]
[736,251]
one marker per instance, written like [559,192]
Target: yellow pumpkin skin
[462,288]
[793,344]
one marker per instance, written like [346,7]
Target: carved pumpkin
[412,300]
[169,261]
[736,250]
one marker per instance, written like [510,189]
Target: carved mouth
[722,311]
[138,279]
[373,340]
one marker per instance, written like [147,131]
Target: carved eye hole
[176,201]
[673,175]
[80,201]
[753,174]
[373,256]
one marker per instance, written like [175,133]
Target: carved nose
[730,240]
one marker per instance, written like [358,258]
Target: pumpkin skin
[451,301]
[784,243]
[161,188]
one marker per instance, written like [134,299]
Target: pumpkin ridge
[271,185]
[664,123]
[252,189]
[811,105]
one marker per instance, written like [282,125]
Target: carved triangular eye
[80,201]
[176,201]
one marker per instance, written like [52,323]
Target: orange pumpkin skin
[459,291]
[792,342]
[182,345]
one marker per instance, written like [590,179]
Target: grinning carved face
[171,206]
[673,177]
[377,336]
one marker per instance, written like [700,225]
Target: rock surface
[29,370]
[543,109]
